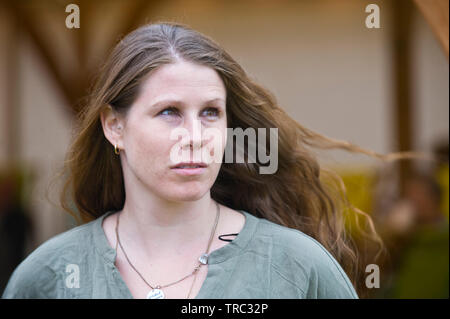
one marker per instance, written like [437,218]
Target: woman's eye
[209,112]
[212,111]
[169,109]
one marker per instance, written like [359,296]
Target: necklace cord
[195,271]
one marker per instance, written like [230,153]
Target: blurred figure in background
[418,240]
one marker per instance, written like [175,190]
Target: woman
[153,229]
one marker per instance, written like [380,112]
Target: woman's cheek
[143,151]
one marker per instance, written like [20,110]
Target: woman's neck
[158,228]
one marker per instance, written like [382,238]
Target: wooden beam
[134,19]
[28,22]
[75,88]
[435,13]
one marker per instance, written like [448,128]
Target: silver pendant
[155,294]
[203,259]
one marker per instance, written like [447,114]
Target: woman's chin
[188,195]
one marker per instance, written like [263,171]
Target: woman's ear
[112,124]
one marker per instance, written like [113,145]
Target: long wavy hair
[300,195]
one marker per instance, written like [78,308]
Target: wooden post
[401,56]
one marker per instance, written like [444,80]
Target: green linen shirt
[265,260]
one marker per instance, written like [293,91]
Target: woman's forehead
[183,75]
[183,83]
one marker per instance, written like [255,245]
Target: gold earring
[116,150]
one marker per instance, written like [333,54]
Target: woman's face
[182,95]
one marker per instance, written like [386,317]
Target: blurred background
[385,89]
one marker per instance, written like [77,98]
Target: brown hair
[300,195]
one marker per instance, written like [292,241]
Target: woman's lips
[189,171]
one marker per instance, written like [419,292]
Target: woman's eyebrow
[179,102]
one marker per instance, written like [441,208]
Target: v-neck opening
[215,257]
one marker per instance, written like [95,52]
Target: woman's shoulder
[294,243]
[49,261]
[66,243]
[298,257]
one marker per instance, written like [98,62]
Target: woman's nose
[194,127]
